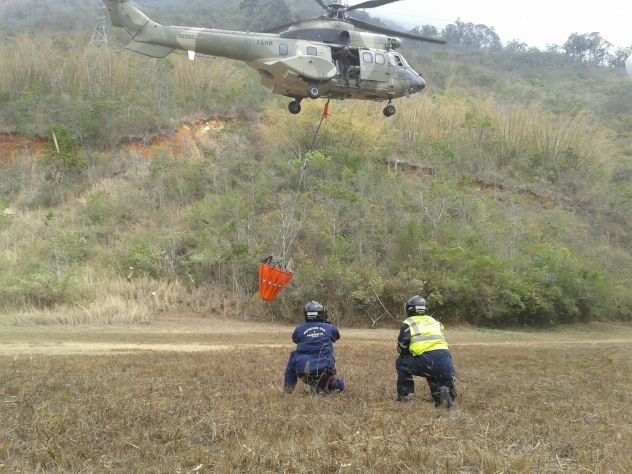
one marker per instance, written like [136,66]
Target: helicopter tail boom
[125,14]
[151,50]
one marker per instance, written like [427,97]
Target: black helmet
[415,305]
[314,311]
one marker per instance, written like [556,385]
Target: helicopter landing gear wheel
[294,107]
[389,110]
[313,91]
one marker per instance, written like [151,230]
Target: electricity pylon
[99,38]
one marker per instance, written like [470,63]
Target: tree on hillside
[620,55]
[471,35]
[517,46]
[587,47]
[428,31]
[265,14]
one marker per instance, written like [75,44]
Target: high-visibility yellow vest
[426,334]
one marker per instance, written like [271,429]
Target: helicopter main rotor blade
[320,2]
[370,4]
[387,31]
[280,28]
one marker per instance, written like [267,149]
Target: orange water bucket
[272,280]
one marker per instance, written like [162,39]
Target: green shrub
[99,208]
[4,221]
[64,158]
[43,290]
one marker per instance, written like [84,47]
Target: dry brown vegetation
[528,402]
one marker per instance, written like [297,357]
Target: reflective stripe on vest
[426,334]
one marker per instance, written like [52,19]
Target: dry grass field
[198,395]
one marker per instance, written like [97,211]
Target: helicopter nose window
[311,51]
[379,58]
[283,49]
[367,57]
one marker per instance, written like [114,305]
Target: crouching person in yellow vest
[423,351]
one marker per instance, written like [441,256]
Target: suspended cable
[289,218]
[273,277]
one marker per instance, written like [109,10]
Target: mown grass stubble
[520,409]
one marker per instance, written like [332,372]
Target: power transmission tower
[99,38]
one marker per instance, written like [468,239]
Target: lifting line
[285,226]
[273,277]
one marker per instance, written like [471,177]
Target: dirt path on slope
[204,334]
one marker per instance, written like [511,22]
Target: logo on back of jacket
[315,331]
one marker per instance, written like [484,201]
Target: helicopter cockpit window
[283,49]
[391,60]
[367,57]
[379,58]
[311,51]
[398,60]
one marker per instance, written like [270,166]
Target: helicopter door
[373,66]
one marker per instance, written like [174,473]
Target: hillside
[502,192]
[19,16]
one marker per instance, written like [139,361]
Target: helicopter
[333,55]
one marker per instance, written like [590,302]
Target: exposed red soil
[177,142]
[11,146]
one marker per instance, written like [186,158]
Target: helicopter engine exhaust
[344,37]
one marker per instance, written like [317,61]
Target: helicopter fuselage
[305,61]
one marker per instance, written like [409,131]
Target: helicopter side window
[283,49]
[367,57]
[311,51]
[379,58]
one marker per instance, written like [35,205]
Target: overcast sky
[535,22]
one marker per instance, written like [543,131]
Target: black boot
[445,398]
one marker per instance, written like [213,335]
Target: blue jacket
[315,348]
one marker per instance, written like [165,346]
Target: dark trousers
[290,377]
[324,382]
[317,383]
[435,366]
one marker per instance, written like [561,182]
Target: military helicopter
[328,56]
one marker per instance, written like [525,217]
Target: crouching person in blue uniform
[423,351]
[313,360]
